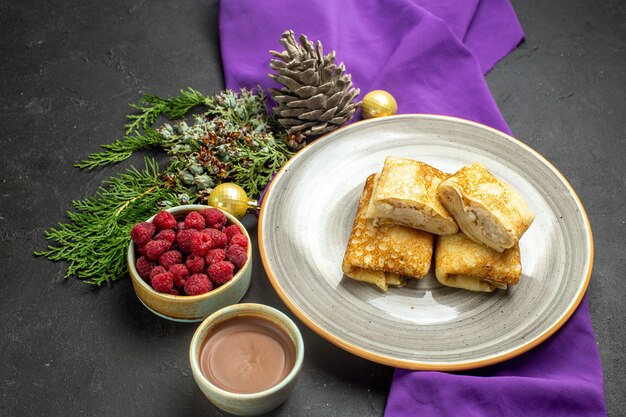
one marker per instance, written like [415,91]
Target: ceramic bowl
[255,403]
[188,308]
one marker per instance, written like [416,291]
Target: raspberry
[194,220]
[215,256]
[198,284]
[174,291]
[163,282]
[240,240]
[167,234]
[214,218]
[232,230]
[150,226]
[156,271]
[180,226]
[170,258]
[181,273]
[218,238]
[164,220]
[144,266]
[183,238]
[142,250]
[195,264]
[156,248]
[142,233]
[200,244]
[237,255]
[221,272]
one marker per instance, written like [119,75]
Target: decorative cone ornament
[317,95]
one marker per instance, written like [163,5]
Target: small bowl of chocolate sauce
[246,358]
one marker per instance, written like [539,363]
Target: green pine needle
[95,239]
[121,150]
[255,167]
[151,107]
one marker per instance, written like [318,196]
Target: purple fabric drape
[432,56]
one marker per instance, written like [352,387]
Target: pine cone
[317,95]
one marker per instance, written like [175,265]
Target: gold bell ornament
[233,199]
[378,103]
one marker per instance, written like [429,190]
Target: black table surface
[68,70]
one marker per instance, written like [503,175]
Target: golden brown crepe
[486,209]
[406,193]
[462,263]
[385,254]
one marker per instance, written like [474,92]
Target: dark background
[67,71]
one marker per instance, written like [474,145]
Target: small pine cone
[317,95]
[295,141]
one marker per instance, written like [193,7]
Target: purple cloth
[432,56]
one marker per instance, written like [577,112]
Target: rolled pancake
[385,254]
[406,193]
[462,263]
[486,209]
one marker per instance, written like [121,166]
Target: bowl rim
[131,258]
[229,312]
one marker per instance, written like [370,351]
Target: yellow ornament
[378,103]
[231,198]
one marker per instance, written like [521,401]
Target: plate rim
[416,364]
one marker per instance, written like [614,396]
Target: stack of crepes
[477,218]
[432,56]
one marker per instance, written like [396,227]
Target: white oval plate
[307,217]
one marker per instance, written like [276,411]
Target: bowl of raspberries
[189,261]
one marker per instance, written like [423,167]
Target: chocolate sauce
[247,354]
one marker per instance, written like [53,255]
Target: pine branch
[254,170]
[95,239]
[151,107]
[234,140]
[243,108]
[121,150]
